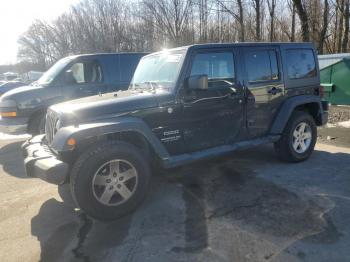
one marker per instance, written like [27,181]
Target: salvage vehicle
[23,109]
[183,105]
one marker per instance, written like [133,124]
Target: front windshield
[158,70]
[51,74]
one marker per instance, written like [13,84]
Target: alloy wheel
[302,137]
[114,182]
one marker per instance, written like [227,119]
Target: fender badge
[170,110]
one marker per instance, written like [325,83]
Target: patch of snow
[4,136]
[330,125]
[344,124]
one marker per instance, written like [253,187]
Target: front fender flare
[122,124]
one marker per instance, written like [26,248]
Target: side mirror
[197,82]
[69,78]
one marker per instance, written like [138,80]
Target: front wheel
[110,180]
[298,138]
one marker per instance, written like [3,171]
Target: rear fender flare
[287,108]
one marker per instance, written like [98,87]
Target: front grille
[50,126]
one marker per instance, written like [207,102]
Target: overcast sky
[17,15]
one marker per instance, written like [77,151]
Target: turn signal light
[8,114]
[71,142]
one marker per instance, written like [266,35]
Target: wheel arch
[307,103]
[132,130]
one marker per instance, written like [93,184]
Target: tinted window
[300,63]
[261,65]
[218,66]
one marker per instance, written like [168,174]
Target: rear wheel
[110,180]
[298,139]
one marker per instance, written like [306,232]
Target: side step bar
[187,158]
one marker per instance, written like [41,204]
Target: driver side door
[214,116]
[82,78]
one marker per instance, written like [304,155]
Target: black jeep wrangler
[183,105]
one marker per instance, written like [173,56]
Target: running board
[187,158]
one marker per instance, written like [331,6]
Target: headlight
[8,103]
[8,108]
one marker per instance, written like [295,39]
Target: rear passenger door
[264,87]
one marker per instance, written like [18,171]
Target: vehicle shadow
[11,159]
[66,234]
[207,204]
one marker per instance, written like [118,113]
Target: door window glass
[78,72]
[84,72]
[261,66]
[300,63]
[219,67]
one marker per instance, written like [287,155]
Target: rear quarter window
[301,63]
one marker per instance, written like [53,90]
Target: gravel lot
[244,207]
[338,114]
[335,133]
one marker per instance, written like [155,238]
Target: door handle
[274,90]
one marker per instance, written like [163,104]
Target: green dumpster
[335,80]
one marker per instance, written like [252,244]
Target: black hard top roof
[248,44]
[239,44]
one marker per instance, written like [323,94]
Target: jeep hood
[104,106]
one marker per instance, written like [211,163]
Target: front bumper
[41,162]
[14,126]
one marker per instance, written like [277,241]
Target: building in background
[326,60]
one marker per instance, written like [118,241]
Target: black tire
[284,146]
[37,124]
[88,164]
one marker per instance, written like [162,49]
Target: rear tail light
[321,91]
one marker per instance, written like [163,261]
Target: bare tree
[148,25]
[346,26]
[304,20]
[293,11]
[323,31]
[239,17]
[257,8]
[272,7]
[340,9]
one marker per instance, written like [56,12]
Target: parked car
[183,105]
[9,76]
[9,86]
[23,109]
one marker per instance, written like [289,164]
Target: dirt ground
[333,133]
[247,206]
